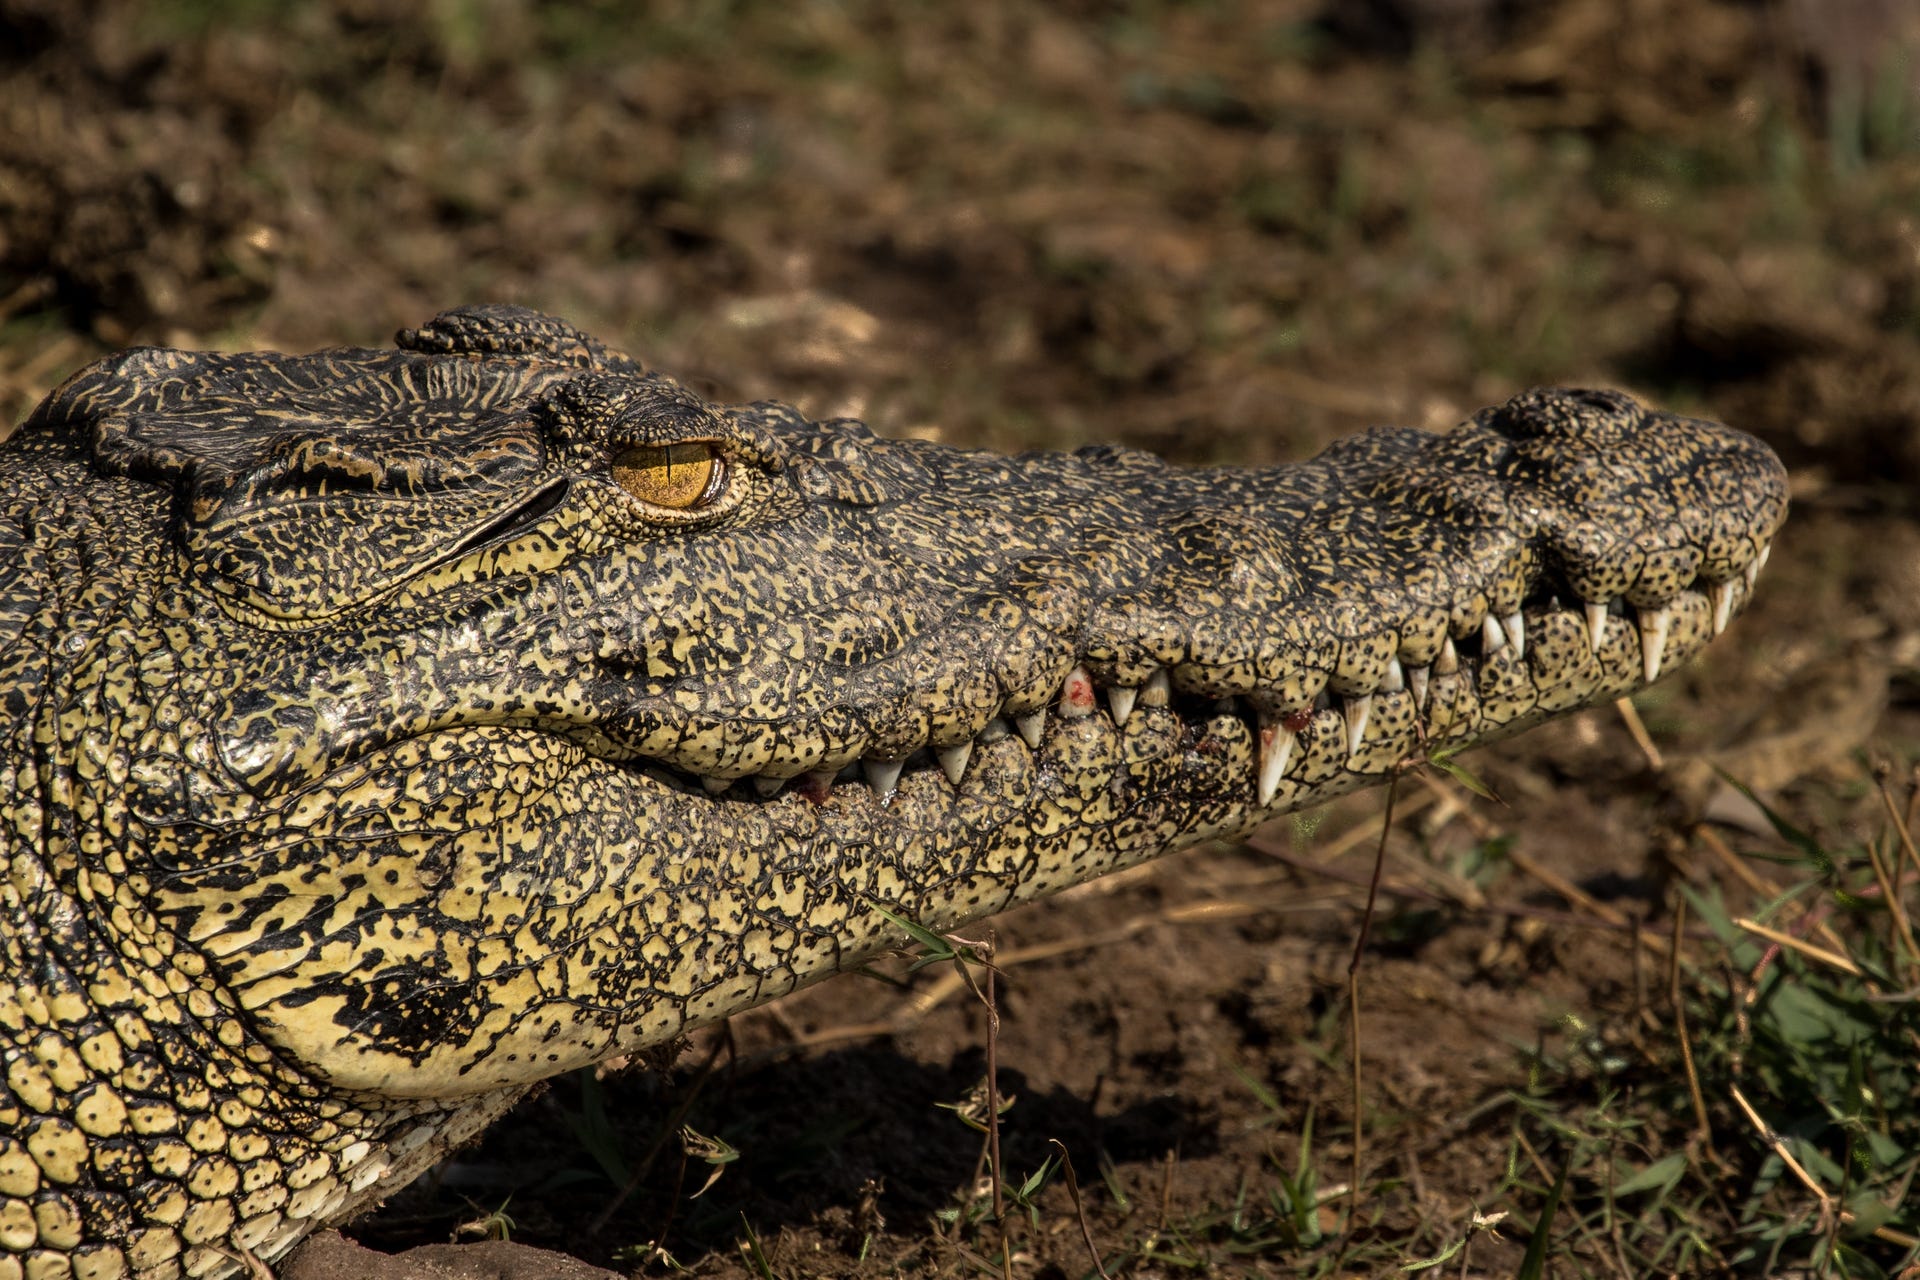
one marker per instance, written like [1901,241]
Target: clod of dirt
[331,1256]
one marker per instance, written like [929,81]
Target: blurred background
[1223,231]
[1209,228]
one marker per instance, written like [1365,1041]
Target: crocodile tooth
[1358,709]
[1449,660]
[1755,565]
[820,781]
[1417,681]
[1396,678]
[1516,628]
[1653,639]
[1076,695]
[1276,748]
[715,786]
[1158,690]
[1596,624]
[994,730]
[1492,638]
[1721,594]
[1120,698]
[883,775]
[767,788]
[1031,726]
[953,760]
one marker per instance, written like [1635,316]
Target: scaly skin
[372,752]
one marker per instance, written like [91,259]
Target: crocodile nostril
[1588,414]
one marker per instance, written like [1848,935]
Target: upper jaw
[884,608]
[1384,582]
[1615,648]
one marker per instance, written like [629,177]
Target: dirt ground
[1223,231]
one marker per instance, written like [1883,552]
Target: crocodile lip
[1276,731]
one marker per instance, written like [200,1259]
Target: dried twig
[1738,867]
[1892,879]
[1573,893]
[1831,1210]
[1630,715]
[1678,999]
[1807,949]
[1079,1210]
[1353,999]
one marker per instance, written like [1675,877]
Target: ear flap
[323,522]
[305,485]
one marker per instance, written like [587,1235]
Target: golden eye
[677,476]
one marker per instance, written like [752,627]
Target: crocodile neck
[150,1128]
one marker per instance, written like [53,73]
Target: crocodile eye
[677,476]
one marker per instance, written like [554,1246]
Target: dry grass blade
[1807,949]
[1704,1127]
[994,1170]
[1585,901]
[1079,1209]
[1762,887]
[1637,729]
[1779,1148]
[1357,1081]
[1892,880]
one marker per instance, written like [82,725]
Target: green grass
[1803,1068]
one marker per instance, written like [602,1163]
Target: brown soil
[1225,232]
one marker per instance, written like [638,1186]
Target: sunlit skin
[388,731]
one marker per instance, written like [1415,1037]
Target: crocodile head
[457,715]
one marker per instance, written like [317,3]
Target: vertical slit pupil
[674,475]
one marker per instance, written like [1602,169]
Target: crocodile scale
[386,731]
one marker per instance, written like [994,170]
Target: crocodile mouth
[1599,649]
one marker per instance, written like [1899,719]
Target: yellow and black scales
[387,730]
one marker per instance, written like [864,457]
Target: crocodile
[386,731]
